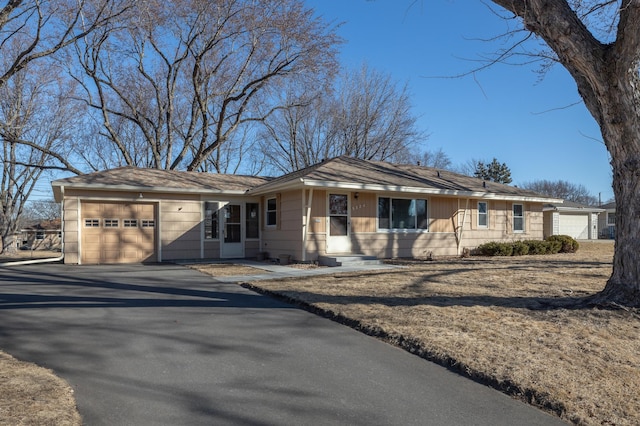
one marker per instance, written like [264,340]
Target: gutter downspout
[305,226]
[461,228]
[51,259]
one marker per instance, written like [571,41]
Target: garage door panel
[123,234]
[576,226]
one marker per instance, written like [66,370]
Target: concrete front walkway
[275,271]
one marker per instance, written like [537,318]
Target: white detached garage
[572,219]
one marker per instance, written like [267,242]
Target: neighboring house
[568,218]
[45,235]
[607,221]
[339,206]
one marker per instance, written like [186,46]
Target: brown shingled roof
[357,173]
[343,172]
[157,180]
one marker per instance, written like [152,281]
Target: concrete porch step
[348,260]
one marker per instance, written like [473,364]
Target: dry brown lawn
[20,255]
[516,323]
[32,395]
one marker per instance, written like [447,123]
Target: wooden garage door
[118,232]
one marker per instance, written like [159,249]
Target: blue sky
[503,112]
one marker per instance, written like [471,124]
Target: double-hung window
[402,214]
[483,214]
[272,212]
[518,218]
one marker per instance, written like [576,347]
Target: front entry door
[339,224]
[232,231]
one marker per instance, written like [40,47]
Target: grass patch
[33,395]
[519,324]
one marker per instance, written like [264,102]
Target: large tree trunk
[607,78]
[622,137]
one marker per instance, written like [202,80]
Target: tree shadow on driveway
[60,286]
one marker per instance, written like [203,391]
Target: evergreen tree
[494,171]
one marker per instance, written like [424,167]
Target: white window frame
[274,211]
[485,214]
[513,212]
[611,218]
[416,229]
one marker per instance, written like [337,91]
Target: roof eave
[300,183]
[575,209]
[135,188]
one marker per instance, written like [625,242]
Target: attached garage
[117,232]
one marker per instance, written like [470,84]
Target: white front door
[338,224]
[232,246]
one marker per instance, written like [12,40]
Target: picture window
[402,214]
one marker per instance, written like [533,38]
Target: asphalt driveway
[166,345]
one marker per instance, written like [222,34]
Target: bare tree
[298,136]
[436,158]
[41,210]
[562,189]
[35,112]
[38,29]
[177,79]
[598,42]
[363,114]
[374,119]
[36,119]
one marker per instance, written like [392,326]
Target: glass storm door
[232,231]
[339,224]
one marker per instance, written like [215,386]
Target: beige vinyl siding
[318,212]
[251,248]
[212,249]
[442,213]
[180,228]
[501,223]
[399,245]
[71,230]
[286,237]
[364,212]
